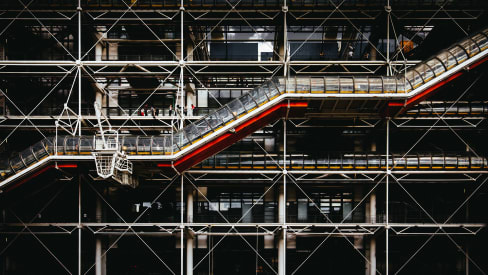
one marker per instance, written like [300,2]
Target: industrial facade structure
[243,136]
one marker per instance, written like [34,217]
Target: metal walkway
[261,106]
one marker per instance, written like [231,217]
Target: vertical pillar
[182,226]
[100,259]
[371,266]
[189,237]
[387,201]
[372,207]
[372,256]
[78,63]
[282,212]
[79,225]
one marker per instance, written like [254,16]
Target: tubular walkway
[261,106]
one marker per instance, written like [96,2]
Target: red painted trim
[226,139]
[421,96]
[478,63]
[37,173]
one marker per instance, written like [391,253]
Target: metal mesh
[105,164]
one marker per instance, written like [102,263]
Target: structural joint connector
[182,8]
[79,8]
[388,9]
[181,63]
[182,226]
[284,226]
[78,63]
[285,172]
[284,8]
[388,172]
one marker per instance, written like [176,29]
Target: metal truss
[179,70]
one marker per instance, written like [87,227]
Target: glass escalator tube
[144,145]
[317,85]
[346,85]
[16,164]
[87,145]
[332,84]
[40,150]
[375,85]
[303,85]
[389,84]
[28,157]
[5,169]
[272,90]
[361,85]
[459,53]
[129,145]
[482,40]
[436,65]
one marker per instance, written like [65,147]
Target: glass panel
[401,85]
[463,162]
[86,144]
[481,40]
[303,85]
[470,47]
[437,162]
[203,127]
[447,59]
[213,120]
[39,150]
[235,106]
[225,114]
[129,145]
[157,144]
[412,162]
[49,144]
[71,145]
[259,95]
[16,164]
[361,85]
[335,162]
[373,162]
[290,85]
[248,102]
[317,85]
[476,162]
[360,162]
[389,85]
[424,162]
[414,78]
[346,85]
[192,133]
[5,170]
[450,162]
[179,140]
[425,72]
[436,65]
[144,145]
[332,84]
[375,85]
[459,54]
[28,156]
[272,90]
[348,161]
[280,83]
[60,144]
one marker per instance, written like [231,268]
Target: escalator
[263,105]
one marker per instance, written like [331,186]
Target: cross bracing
[350,184]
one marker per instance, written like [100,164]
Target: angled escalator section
[262,105]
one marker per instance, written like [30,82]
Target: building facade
[243,136]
